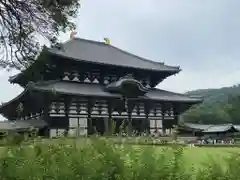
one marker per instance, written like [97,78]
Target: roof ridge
[124,51]
[82,39]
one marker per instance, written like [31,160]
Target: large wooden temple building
[82,87]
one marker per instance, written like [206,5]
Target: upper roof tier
[102,53]
[98,53]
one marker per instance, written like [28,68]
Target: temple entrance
[168,126]
[120,125]
[98,125]
[139,125]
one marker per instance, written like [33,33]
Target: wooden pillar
[130,129]
[101,77]
[108,123]
[45,117]
[176,113]
[90,105]
[163,117]
[78,127]
[47,100]
[175,121]
[67,102]
[129,105]
[148,106]
[146,122]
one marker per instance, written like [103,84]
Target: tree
[208,115]
[232,108]
[22,21]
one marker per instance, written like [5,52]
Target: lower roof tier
[96,90]
[88,90]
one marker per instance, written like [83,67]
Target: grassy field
[199,156]
[94,159]
[194,156]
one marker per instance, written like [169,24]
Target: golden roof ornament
[107,41]
[73,35]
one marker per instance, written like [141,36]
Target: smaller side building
[210,130]
[22,127]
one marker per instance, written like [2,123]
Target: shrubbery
[99,159]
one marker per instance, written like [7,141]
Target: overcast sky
[201,36]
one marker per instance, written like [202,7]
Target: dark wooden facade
[77,94]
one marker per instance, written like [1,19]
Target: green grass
[90,158]
[195,156]
[198,156]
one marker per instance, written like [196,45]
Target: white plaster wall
[156,124]
[53,133]
[75,128]
[159,123]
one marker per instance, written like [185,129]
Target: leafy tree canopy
[22,21]
[219,106]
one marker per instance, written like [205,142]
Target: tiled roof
[210,128]
[220,128]
[99,90]
[237,127]
[197,126]
[88,90]
[101,53]
[22,124]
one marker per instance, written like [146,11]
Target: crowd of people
[210,140]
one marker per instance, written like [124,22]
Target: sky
[200,36]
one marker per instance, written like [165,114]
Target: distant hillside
[213,108]
[212,96]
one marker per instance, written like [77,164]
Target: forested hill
[217,95]
[219,106]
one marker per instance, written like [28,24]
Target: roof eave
[16,78]
[37,87]
[175,70]
[13,100]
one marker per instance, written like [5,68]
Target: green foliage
[13,138]
[219,106]
[23,22]
[100,159]
[232,108]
